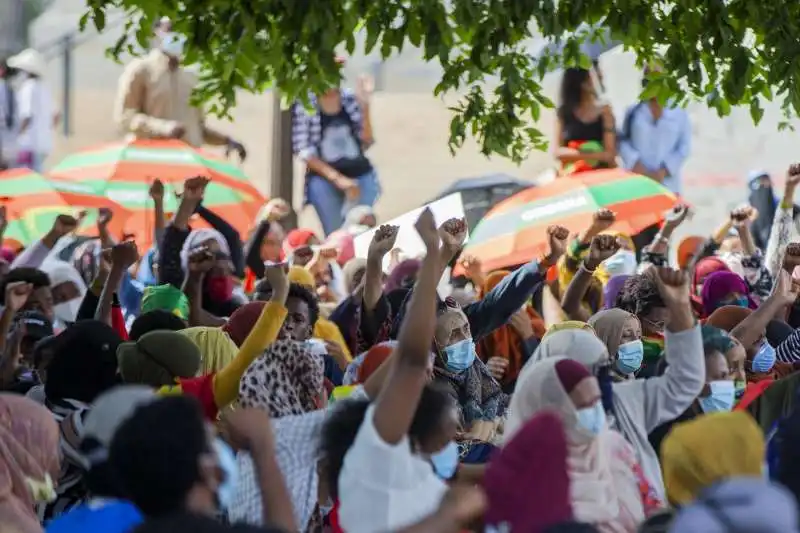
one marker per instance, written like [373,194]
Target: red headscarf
[374,359]
[527,482]
[242,320]
[704,267]
[297,238]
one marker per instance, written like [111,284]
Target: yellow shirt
[226,381]
[152,99]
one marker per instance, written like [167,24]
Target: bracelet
[586,268]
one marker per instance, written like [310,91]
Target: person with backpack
[655,139]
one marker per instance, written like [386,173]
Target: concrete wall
[12,27]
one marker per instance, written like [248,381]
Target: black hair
[344,421]
[263,291]
[155,320]
[571,91]
[198,524]
[639,295]
[84,363]
[99,479]
[155,454]
[34,276]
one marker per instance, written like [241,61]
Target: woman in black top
[582,118]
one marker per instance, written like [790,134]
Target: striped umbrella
[139,161]
[515,230]
[124,172]
[33,202]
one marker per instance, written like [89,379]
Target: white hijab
[604,488]
[62,272]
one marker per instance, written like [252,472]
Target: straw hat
[29,61]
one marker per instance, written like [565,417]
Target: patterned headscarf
[286,380]
[29,458]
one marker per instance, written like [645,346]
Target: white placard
[407,239]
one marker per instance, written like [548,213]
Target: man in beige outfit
[153,99]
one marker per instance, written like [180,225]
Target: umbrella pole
[282,178]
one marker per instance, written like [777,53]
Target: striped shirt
[307,127]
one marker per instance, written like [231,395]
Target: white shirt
[385,487]
[35,102]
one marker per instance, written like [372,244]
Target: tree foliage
[723,52]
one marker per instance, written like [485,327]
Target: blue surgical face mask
[629,356]
[741,301]
[460,355]
[623,262]
[592,419]
[445,461]
[764,359]
[721,398]
[230,471]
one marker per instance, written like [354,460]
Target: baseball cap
[37,326]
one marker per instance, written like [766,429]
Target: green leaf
[722,53]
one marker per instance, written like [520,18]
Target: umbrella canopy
[33,202]
[479,194]
[239,209]
[515,231]
[140,161]
[124,171]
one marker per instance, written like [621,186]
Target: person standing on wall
[35,110]
[331,140]
[655,140]
[153,97]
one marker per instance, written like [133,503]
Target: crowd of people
[210,385]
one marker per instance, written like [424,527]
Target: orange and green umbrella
[124,171]
[33,202]
[515,230]
[139,161]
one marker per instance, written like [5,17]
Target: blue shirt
[655,144]
[98,516]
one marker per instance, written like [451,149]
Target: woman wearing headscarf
[744,505]
[607,486]
[704,268]
[217,350]
[508,348]
[638,406]
[621,332]
[719,391]
[68,289]
[180,243]
[611,290]
[29,462]
[724,288]
[527,481]
[403,275]
[700,453]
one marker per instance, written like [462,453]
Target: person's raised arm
[104,216]
[453,233]
[602,247]
[229,233]
[782,225]
[382,242]
[742,218]
[601,221]
[123,256]
[34,255]
[397,402]
[507,297]
[160,220]
[751,329]
[250,430]
[666,397]
[277,209]
[169,252]
[672,221]
[201,260]
[366,86]
[264,333]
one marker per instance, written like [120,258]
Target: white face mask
[67,312]
[623,262]
[172,44]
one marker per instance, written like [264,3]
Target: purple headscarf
[720,284]
[612,288]
[405,269]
